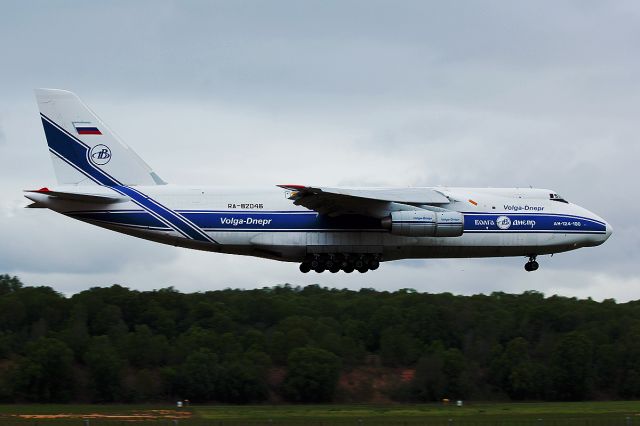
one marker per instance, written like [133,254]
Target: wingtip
[288,186]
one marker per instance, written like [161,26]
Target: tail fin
[82,147]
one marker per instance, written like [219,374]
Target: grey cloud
[39,241]
[375,93]
[281,49]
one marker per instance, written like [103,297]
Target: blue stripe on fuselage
[532,222]
[76,153]
[177,221]
[312,221]
[139,218]
[280,221]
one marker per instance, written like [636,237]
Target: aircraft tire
[305,267]
[349,268]
[374,264]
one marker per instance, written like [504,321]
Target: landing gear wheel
[349,268]
[334,269]
[363,269]
[374,264]
[359,264]
[531,265]
[305,267]
[320,268]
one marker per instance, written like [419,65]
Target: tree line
[286,343]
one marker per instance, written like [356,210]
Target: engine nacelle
[425,223]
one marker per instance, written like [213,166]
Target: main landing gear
[531,265]
[340,262]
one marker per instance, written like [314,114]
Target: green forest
[312,344]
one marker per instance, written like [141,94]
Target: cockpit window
[556,197]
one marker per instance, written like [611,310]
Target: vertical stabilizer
[83,149]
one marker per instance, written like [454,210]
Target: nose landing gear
[531,265]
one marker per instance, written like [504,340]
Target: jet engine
[425,223]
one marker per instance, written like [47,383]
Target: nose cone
[608,232]
[593,226]
[601,238]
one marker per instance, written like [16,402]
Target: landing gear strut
[531,265]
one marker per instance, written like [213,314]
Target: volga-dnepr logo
[503,222]
[100,155]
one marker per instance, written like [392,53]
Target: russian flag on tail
[86,128]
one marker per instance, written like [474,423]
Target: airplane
[103,182]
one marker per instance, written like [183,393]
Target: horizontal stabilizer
[36,205]
[75,196]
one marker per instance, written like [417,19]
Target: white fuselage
[265,223]
[107,184]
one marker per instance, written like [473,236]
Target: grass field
[621,413]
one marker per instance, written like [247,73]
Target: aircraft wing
[370,202]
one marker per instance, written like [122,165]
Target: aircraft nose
[599,237]
[608,231]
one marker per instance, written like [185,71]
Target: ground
[505,414]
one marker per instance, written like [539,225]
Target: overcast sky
[395,93]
